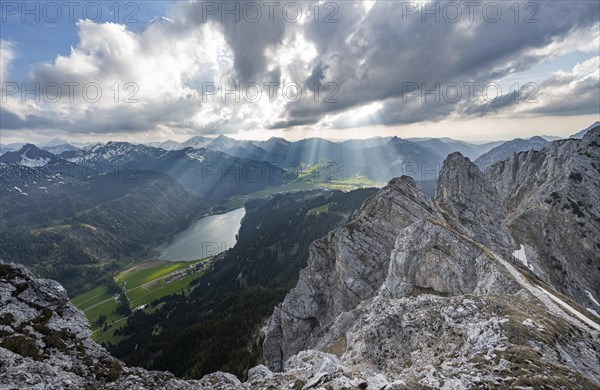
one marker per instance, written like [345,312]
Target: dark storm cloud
[249,27]
[10,121]
[371,59]
[296,122]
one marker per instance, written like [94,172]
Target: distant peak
[277,139]
[456,156]
[394,140]
[593,132]
[594,127]
[537,138]
[583,132]
[55,142]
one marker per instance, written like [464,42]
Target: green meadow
[145,273]
[142,284]
[95,302]
[320,209]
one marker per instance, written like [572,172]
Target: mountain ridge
[459,249]
[505,150]
[556,189]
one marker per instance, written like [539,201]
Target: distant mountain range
[212,174]
[222,143]
[505,150]
[378,158]
[312,150]
[217,167]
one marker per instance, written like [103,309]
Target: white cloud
[7,54]
[570,93]
[145,79]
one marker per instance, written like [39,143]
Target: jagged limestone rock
[431,258]
[472,204]
[454,309]
[344,268]
[553,202]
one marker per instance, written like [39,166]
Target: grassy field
[107,334]
[149,271]
[142,296]
[320,209]
[142,283]
[91,297]
[305,182]
[96,302]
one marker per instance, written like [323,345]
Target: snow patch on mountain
[520,254]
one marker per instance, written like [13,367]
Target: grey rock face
[447,307]
[430,258]
[472,204]
[553,202]
[344,268]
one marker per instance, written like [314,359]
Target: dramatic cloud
[380,56]
[355,63]
[564,93]
[571,93]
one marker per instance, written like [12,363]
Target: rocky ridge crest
[411,313]
[553,202]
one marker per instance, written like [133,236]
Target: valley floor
[139,285]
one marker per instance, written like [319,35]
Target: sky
[158,70]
